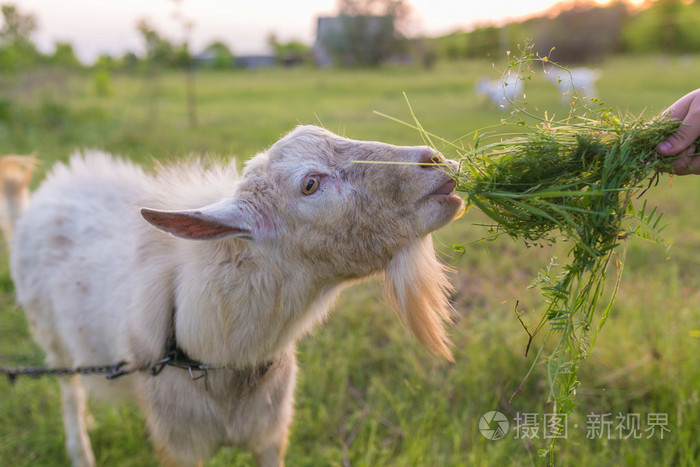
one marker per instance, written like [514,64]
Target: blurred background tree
[220,54]
[102,75]
[583,33]
[289,53]
[17,51]
[160,52]
[64,56]
[185,61]
[667,26]
[586,32]
[367,32]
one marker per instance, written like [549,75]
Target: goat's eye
[310,184]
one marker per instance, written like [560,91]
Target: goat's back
[70,257]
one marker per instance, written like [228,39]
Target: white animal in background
[576,81]
[502,92]
[251,264]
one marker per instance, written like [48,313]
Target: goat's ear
[215,221]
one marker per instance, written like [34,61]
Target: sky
[96,27]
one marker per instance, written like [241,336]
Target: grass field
[368,394]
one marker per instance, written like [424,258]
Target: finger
[682,138]
[688,165]
[686,134]
[682,163]
[690,151]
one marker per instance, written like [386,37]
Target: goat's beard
[416,284]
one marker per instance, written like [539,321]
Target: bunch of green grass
[573,180]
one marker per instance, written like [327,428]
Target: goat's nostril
[429,159]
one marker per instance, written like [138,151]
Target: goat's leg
[74,402]
[271,456]
[167,461]
[270,446]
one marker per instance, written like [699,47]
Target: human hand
[682,142]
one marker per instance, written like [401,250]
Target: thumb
[678,141]
[686,109]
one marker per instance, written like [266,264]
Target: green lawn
[368,394]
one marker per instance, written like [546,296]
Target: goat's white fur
[508,89]
[574,82]
[100,284]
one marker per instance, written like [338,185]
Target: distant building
[353,40]
[207,58]
[326,28]
[255,61]
[204,58]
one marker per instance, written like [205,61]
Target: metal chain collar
[109,371]
[174,356]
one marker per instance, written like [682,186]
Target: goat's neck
[241,309]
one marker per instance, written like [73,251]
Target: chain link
[109,371]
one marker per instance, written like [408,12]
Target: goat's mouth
[446,189]
[443,204]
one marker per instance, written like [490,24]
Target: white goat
[502,92]
[576,81]
[252,264]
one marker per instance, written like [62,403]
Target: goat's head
[344,210]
